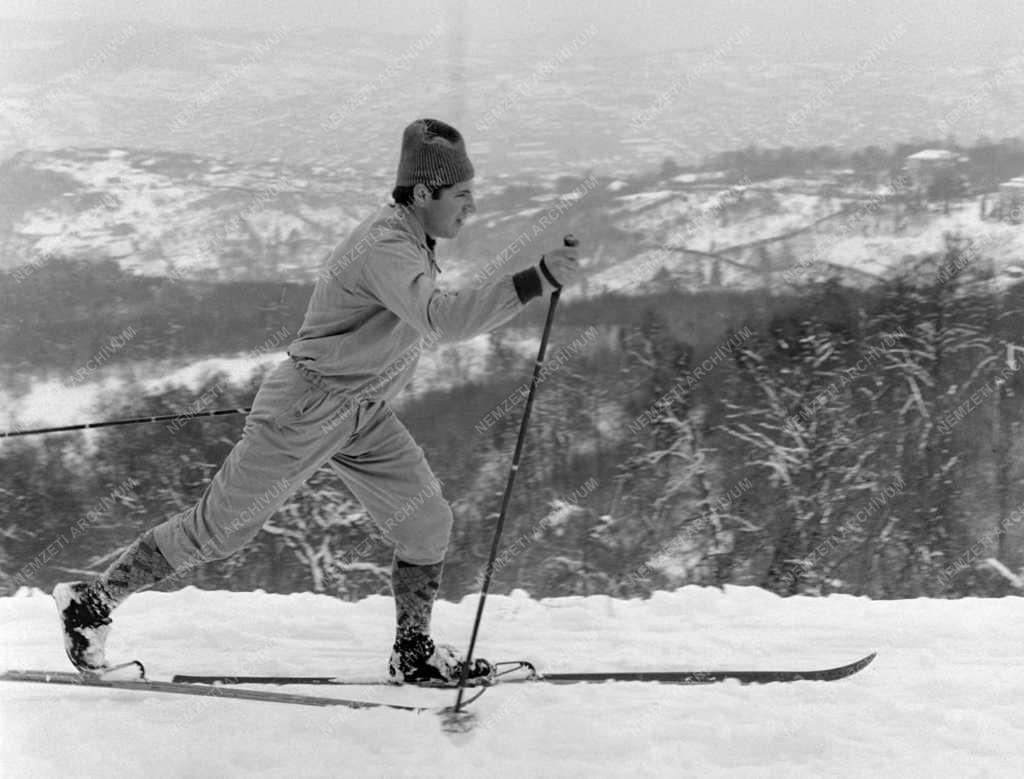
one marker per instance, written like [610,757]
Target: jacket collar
[412,225]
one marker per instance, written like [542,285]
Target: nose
[470,207]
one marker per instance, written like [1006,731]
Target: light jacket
[375,307]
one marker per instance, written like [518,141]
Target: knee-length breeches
[296,425]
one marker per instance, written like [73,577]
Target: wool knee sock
[141,565]
[415,588]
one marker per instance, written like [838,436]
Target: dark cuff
[528,285]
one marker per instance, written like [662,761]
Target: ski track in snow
[943,698]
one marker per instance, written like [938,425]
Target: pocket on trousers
[299,407]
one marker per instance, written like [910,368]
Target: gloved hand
[560,267]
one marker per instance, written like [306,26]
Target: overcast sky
[621,24]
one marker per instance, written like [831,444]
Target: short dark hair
[403,195]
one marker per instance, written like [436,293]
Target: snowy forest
[831,440]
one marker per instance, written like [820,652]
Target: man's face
[443,218]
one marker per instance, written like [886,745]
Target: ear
[421,193]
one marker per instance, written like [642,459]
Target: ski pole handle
[569,241]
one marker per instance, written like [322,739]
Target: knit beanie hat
[433,153]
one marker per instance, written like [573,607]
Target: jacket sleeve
[394,275]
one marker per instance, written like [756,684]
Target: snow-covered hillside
[184,217]
[176,215]
[943,699]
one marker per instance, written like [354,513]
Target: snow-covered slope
[175,215]
[942,699]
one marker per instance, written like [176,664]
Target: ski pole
[112,422]
[489,570]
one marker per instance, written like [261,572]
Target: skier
[372,308]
